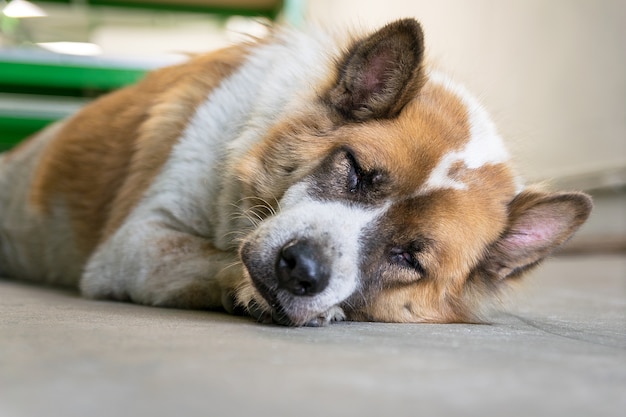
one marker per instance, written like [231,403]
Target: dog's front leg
[149,263]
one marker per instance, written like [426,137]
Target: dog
[301,178]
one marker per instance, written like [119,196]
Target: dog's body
[302,178]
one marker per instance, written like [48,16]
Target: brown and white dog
[301,178]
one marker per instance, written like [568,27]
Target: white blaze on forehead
[485,146]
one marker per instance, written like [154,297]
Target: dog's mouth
[274,316]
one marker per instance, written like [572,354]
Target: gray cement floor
[560,350]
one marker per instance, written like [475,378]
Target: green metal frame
[14,129]
[89,78]
[40,74]
[59,79]
[270,13]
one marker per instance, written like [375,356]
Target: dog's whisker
[262,206]
[245,216]
[278,206]
[238,236]
[258,212]
[364,299]
[250,197]
[258,218]
[229,266]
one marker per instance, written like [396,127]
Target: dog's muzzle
[300,270]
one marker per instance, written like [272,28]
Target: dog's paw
[334,313]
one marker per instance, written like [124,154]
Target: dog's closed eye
[360,180]
[355,173]
[406,258]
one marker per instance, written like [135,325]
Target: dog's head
[395,200]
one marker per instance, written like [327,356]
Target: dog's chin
[266,308]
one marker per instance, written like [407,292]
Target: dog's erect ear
[381,73]
[538,224]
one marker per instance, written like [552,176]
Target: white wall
[553,73]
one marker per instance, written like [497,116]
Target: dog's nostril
[301,268]
[288,257]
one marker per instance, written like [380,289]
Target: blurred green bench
[39,88]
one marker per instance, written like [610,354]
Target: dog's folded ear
[538,224]
[380,74]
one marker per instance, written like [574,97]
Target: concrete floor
[560,350]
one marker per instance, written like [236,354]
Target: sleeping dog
[300,178]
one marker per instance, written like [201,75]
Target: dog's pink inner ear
[538,224]
[380,74]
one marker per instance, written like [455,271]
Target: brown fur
[101,166]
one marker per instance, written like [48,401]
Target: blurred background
[552,73]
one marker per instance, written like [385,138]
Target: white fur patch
[272,79]
[484,147]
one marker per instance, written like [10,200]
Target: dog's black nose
[301,268]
